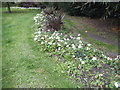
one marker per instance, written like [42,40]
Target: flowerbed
[80,60]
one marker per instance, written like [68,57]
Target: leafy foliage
[90,9]
[53,20]
[79,59]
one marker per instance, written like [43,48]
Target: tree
[8,5]
[89,9]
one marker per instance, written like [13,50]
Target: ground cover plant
[80,60]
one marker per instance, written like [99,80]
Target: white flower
[58,48]
[59,44]
[103,55]
[65,42]
[50,37]
[53,43]
[71,37]
[118,56]
[109,58]
[42,37]
[78,34]
[80,59]
[48,30]
[38,14]
[36,36]
[80,41]
[79,46]
[57,34]
[67,46]
[73,55]
[100,74]
[58,38]
[88,44]
[87,48]
[42,42]
[67,39]
[35,39]
[78,38]
[36,33]
[73,46]
[50,43]
[116,84]
[61,40]
[94,58]
[82,62]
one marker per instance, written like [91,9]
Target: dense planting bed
[79,59]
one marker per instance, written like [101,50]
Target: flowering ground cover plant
[79,59]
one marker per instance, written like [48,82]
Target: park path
[102,30]
[97,30]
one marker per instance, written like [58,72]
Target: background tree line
[89,9]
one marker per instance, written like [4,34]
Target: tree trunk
[9,11]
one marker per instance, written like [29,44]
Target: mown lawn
[24,64]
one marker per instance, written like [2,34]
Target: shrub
[54,20]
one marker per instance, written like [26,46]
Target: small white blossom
[71,37]
[48,30]
[80,41]
[67,39]
[59,44]
[117,84]
[65,42]
[73,55]
[78,38]
[94,58]
[109,58]
[61,41]
[82,62]
[36,33]
[88,44]
[50,37]
[73,46]
[36,36]
[35,39]
[42,42]
[100,74]
[58,48]
[80,59]
[78,34]
[42,37]
[67,46]
[50,43]
[87,48]
[80,46]
[103,55]
[57,37]
[53,43]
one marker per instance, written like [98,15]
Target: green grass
[0,48]
[24,64]
[99,44]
